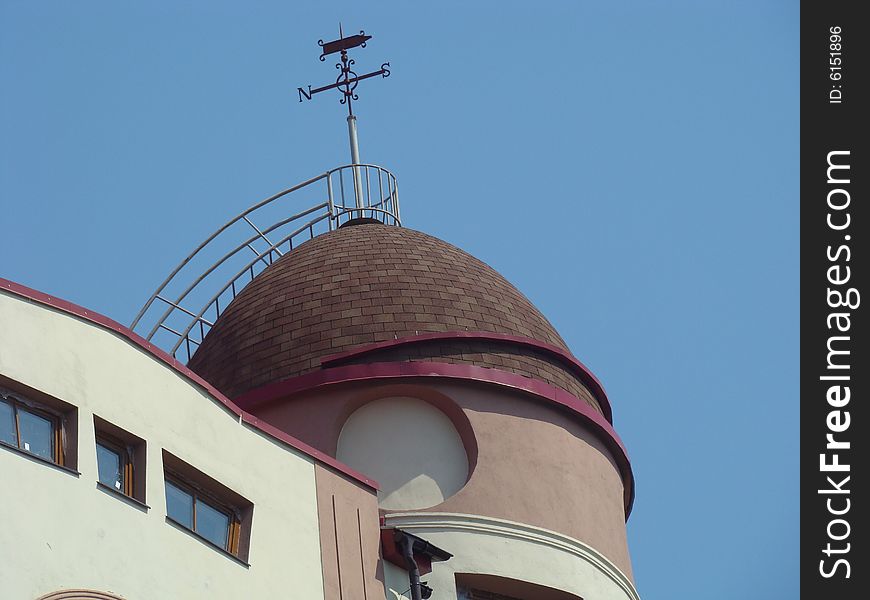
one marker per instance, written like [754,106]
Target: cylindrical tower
[423,368]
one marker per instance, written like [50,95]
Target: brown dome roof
[354,286]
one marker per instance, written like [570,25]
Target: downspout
[407,545]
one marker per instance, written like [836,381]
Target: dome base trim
[575,366]
[397,370]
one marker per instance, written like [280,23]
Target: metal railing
[182,310]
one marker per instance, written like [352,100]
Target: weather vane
[347,79]
[346,83]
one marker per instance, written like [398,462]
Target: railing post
[329,201]
[395,201]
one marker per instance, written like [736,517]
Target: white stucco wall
[410,447]
[61,531]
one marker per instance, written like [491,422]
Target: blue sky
[631,166]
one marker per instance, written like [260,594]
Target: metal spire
[346,83]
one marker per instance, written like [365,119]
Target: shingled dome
[363,284]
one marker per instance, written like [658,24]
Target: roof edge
[96,318]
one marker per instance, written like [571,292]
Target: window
[114,466]
[207,508]
[203,515]
[120,460]
[31,427]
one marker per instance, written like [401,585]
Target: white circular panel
[410,447]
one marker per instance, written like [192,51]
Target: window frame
[125,461]
[197,494]
[132,451]
[55,418]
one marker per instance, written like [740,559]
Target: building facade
[377,414]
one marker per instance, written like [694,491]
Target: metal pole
[354,158]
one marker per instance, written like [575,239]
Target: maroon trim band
[398,370]
[566,358]
[98,319]
[103,321]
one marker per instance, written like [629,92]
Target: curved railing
[186,305]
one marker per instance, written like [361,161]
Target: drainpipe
[407,546]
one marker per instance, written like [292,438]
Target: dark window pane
[179,505]
[36,434]
[109,467]
[212,524]
[7,423]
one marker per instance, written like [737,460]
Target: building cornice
[423,522]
